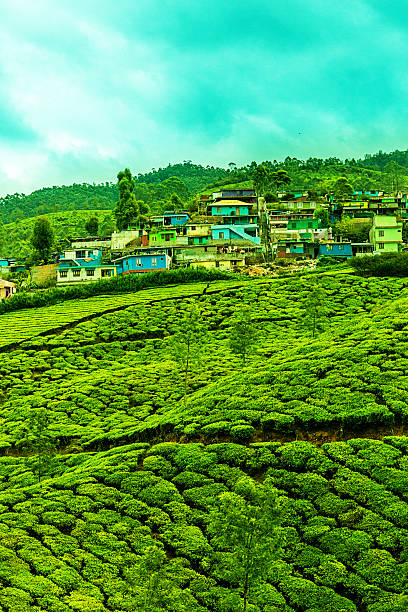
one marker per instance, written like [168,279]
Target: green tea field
[133,426]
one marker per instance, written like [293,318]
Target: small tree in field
[43,238]
[242,336]
[36,439]
[187,343]
[155,583]
[244,531]
[315,313]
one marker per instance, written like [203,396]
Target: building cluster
[225,234]
[294,230]
[233,229]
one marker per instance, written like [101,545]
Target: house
[228,208]
[7,289]
[386,234]
[8,265]
[361,248]
[247,231]
[336,249]
[310,226]
[122,240]
[76,266]
[174,219]
[243,195]
[91,243]
[144,260]
[296,249]
[198,233]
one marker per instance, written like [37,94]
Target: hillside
[155,187]
[69,224]
[141,466]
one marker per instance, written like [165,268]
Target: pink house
[6,289]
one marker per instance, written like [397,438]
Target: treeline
[118,284]
[156,187]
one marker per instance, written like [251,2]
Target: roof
[4,283]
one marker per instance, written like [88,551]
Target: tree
[43,238]
[158,584]
[244,532]
[126,209]
[395,176]
[342,188]
[92,226]
[323,216]
[314,316]
[242,336]
[261,179]
[187,344]
[280,178]
[36,438]
[175,202]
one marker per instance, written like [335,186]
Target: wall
[44,275]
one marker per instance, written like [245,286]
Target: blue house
[236,232]
[146,260]
[335,249]
[172,218]
[228,210]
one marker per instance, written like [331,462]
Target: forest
[214,444]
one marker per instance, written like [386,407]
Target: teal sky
[89,87]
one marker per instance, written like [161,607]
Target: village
[233,229]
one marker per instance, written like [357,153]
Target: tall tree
[244,531]
[126,209]
[187,344]
[342,188]
[92,226]
[315,312]
[280,178]
[323,215]
[36,439]
[242,336]
[43,238]
[261,177]
[396,176]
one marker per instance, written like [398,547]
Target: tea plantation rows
[124,516]
[72,543]
[114,378]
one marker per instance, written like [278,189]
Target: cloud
[87,88]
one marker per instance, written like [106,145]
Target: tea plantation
[124,517]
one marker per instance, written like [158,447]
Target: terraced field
[123,518]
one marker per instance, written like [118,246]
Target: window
[341,247]
[80,254]
[218,209]
[381,232]
[76,272]
[106,273]
[90,272]
[193,227]
[63,273]
[380,245]
[154,261]
[138,261]
[221,235]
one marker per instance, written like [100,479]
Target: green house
[164,236]
[386,234]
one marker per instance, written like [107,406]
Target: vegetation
[388,264]
[42,239]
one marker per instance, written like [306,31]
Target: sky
[90,87]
